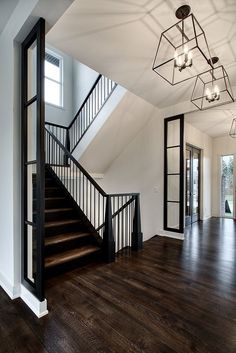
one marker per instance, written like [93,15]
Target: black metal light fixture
[183,51]
[232,131]
[212,88]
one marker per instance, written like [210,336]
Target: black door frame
[36,35]
[180,146]
[192,218]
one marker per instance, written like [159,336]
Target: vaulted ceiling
[118,38]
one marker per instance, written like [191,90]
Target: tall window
[53,79]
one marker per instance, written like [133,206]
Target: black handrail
[55,125]
[98,95]
[84,102]
[78,165]
[120,209]
[116,217]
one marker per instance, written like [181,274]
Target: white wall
[10,151]
[204,142]
[21,21]
[83,80]
[64,115]
[139,168]
[221,146]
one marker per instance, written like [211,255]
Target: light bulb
[208,93]
[190,55]
[216,89]
[185,49]
[179,60]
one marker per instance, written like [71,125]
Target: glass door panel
[192,185]
[227,186]
[32,101]
[188,187]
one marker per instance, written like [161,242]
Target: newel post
[108,238]
[67,145]
[137,235]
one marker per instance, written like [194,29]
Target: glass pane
[173,188]
[31,192]
[52,71]
[227,181]
[31,253]
[173,160]
[173,215]
[52,92]
[173,133]
[188,183]
[32,70]
[31,133]
[195,183]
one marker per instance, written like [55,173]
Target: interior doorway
[192,182]
[227,186]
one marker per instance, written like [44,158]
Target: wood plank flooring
[172,297]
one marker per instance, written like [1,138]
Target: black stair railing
[115,217]
[98,95]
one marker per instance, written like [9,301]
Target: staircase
[82,222]
[69,239]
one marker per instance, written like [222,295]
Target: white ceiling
[6,9]
[118,38]
[214,122]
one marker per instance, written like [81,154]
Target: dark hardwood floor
[172,297]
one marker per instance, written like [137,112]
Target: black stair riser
[68,245]
[50,192]
[68,266]
[54,203]
[48,182]
[62,215]
[56,230]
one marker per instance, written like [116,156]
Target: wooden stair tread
[54,198]
[70,255]
[57,239]
[52,210]
[61,223]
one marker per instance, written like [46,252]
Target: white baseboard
[19,291]
[164,233]
[206,218]
[39,308]
[12,291]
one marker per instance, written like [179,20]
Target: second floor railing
[115,217]
[98,95]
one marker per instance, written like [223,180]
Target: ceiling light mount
[213,60]
[183,12]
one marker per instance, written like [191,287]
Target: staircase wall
[108,112]
[128,150]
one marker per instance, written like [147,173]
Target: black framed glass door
[174,174]
[192,184]
[32,139]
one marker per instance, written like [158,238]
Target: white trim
[19,291]
[206,218]
[12,291]
[39,308]
[174,235]
[97,175]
